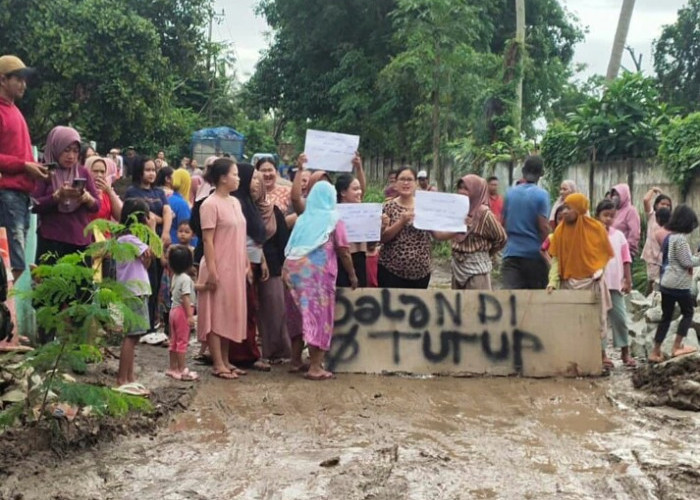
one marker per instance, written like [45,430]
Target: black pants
[155,273]
[519,273]
[359,262]
[668,304]
[387,279]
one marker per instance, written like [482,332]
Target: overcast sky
[246,32]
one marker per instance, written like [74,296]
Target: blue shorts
[14,217]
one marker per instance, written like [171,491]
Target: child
[652,249]
[618,278]
[676,280]
[580,250]
[181,318]
[544,249]
[134,274]
[185,235]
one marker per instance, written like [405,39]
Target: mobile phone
[79,183]
[51,166]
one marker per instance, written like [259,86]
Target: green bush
[680,150]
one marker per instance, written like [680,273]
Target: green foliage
[560,148]
[469,157]
[374,193]
[102,400]
[676,60]
[680,150]
[384,74]
[77,309]
[625,121]
[120,71]
[639,275]
[442,250]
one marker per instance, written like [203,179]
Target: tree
[623,26]
[116,70]
[677,59]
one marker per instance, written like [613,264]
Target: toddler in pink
[183,300]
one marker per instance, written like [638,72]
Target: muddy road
[277,436]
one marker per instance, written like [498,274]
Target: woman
[110,203]
[248,352]
[164,179]
[652,249]
[627,218]
[472,252]
[67,201]
[272,323]
[178,200]
[221,311]
[580,251]
[310,272]
[277,194]
[565,189]
[405,257]
[349,190]
[143,187]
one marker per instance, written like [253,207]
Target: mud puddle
[265,437]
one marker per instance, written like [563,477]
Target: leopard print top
[408,255]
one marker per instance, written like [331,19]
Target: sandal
[608,364]
[303,368]
[323,376]
[237,370]
[630,362]
[132,389]
[174,374]
[261,366]
[656,359]
[685,349]
[226,375]
[189,376]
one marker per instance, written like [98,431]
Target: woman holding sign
[405,259]
[310,271]
[350,190]
[472,252]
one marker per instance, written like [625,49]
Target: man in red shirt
[17,165]
[495,199]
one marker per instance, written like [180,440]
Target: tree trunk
[437,168]
[623,26]
[520,40]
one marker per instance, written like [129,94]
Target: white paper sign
[330,151]
[363,221]
[441,212]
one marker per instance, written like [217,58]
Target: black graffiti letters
[434,322]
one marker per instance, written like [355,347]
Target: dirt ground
[277,436]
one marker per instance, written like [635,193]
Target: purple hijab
[57,141]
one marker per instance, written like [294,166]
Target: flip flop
[325,376]
[237,370]
[261,366]
[630,363]
[189,376]
[656,361]
[226,375]
[686,349]
[300,369]
[132,389]
[607,363]
[174,374]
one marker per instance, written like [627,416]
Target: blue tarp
[217,141]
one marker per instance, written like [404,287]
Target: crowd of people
[258,262]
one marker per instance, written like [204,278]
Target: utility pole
[212,67]
[520,41]
[623,26]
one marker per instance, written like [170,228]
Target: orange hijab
[583,247]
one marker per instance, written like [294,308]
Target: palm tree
[623,26]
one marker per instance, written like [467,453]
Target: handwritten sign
[441,212]
[330,151]
[363,221]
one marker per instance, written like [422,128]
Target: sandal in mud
[189,376]
[133,389]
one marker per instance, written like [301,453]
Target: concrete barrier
[518,332]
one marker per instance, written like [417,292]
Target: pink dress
[313,289]
[223,311]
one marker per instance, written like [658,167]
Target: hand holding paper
[330,151]
[443,212]
[363,221]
